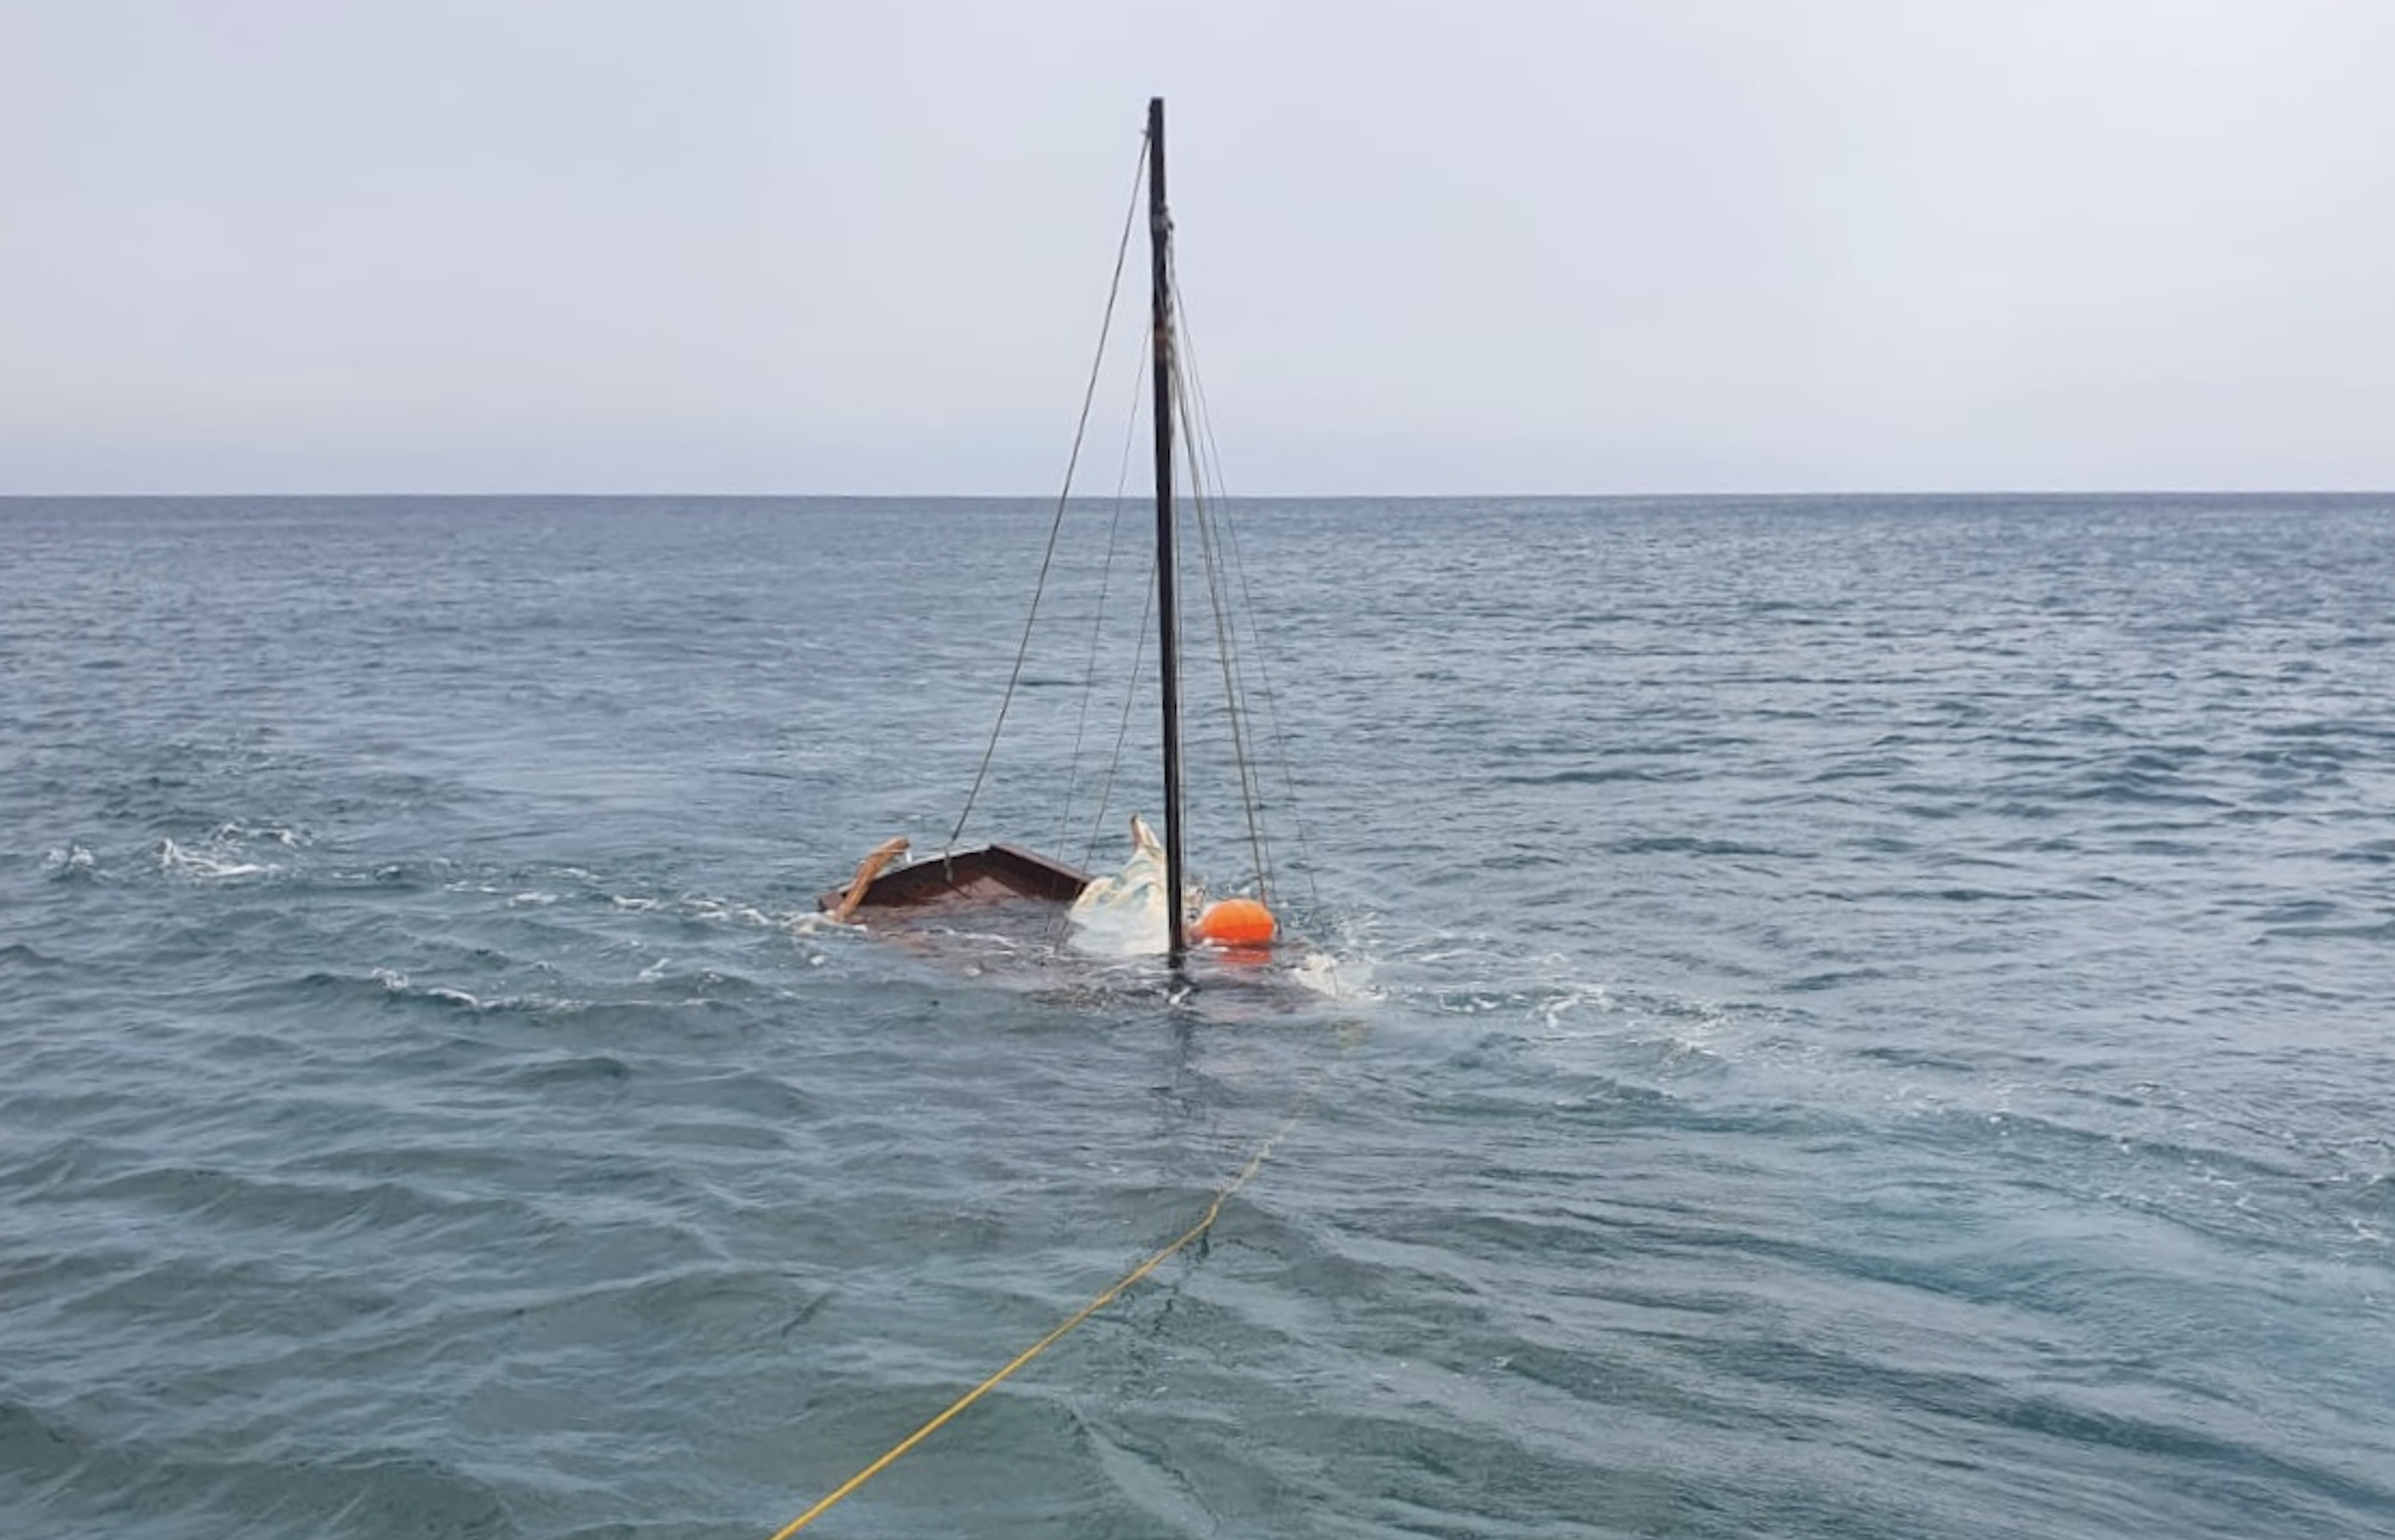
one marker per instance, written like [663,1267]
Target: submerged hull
[969,879]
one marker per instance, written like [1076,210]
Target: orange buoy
[1236,923]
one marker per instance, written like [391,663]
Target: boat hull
[969,879]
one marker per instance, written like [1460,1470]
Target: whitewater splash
[181,861]
[1123,916]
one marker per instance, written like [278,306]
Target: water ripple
[1873,1029]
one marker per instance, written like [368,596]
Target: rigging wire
[1226,653]
[1122,728]
[1089,673]
[1204,461]
[1056,525]
[1238,564]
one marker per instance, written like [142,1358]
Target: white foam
[723,911]
[288,838]
[1591,997]
[199,864]
[1335,978]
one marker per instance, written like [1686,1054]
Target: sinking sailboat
[1000,878]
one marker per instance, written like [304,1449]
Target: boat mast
[1168,623]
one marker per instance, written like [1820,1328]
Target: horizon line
[1782,494]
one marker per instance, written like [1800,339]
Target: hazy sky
[1504,246]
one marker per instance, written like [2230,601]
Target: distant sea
[1818,1017]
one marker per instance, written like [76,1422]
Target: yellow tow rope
[1114,1292]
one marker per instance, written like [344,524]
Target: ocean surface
[1858,1018]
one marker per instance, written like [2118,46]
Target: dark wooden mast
[1168,618]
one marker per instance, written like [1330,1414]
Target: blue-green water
[1860,1019]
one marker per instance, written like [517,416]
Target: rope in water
[1214,1211]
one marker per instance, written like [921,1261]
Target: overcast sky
[1500,246]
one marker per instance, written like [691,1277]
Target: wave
[89,1470]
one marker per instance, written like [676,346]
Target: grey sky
[861,245]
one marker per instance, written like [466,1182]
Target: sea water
[1820,1017]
